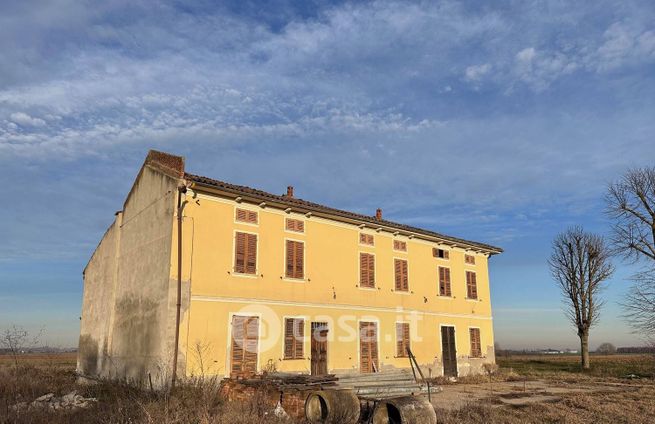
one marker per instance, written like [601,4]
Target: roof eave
[490,250]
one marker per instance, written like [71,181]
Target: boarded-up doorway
[449,351]
[368,347]
[244,345]
[319,348]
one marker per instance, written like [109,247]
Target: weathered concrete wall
[126,329]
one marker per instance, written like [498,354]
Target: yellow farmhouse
[198,276]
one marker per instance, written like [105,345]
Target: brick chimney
[289,191]
[378,214]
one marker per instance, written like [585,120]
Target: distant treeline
[643,349]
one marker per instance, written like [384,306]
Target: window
[366,239]
[440,253]
[402,339]
[295,225]
[471,285]
[400,245]
[295,259]
[366,270]
[469,259]
[294,335]
[476,348]
[245,253]
[400,268]
[244,215]
[444,281]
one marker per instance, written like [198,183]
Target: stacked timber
[289,381]
[383,385]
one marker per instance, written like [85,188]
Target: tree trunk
[584,350]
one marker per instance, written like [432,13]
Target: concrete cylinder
[331,406]
[404,410]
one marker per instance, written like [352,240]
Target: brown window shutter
[366,270]
[250,345]
[244,345]
[366,239]
[240,253]
[476,347]
[471,285]
[300,260]
[298,338]
[288,338]
[444,281]
[245,215]
[401,279]
[402,339]
[295,267]
[251,254]
[469,259]
[295,225]
[400,245]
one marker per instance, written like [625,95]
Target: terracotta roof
[317,208]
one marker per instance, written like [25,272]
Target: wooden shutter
[366,270]
[471,285]
[402,339]
[295,225]
[476,348]
[245,253]
[244,215]
[368,347]
[293,338]
[444,281]
[295,266]
[440,253]
[244,345]
[400,270]
[366,239]
[400,245]
[469,259]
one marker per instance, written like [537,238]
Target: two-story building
[223,279]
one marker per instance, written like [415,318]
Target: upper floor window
[400,270]
[402,339]
[400,245]
[440,253]
[471,285]
[476,347]
[469,259]
[366,270]
[244,215]
[295,258]
[294,334]
[245,253]
[366,239]
[295,225]
[444,281]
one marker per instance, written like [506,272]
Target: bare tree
[631,205]
[606,349]
[16,339]
[580,263]
[639,305]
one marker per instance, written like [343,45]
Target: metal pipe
[180,207]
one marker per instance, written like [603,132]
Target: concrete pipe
[332,406]
[404,410]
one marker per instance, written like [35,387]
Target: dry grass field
[526,389]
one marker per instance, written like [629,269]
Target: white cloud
[475,73]
[24,119]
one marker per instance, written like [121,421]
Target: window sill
[295,280]
[244,275]
[367,288]
[445,297]
[293,359]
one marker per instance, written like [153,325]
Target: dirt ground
[525,389]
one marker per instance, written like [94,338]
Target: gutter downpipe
[180,207]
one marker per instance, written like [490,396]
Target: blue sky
[500,122]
